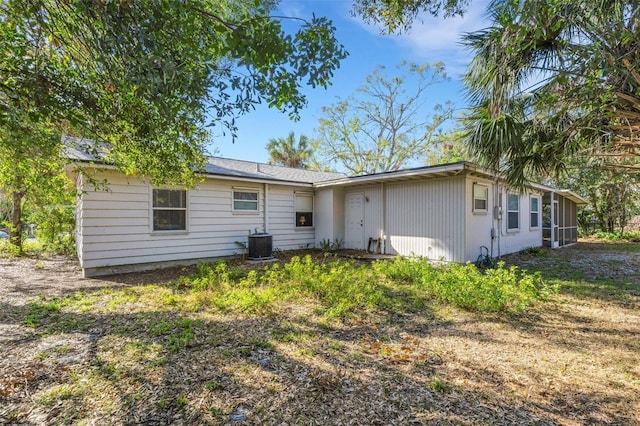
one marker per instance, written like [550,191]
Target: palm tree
[554,79]
[286,152]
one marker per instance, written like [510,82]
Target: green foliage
[398,16]
[631,236]
[144,78]
[343,288]
[380,128]
[327,246]
[540,98]
[286,152]
[495,290]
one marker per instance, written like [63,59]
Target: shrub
[343,288]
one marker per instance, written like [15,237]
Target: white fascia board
[380,177]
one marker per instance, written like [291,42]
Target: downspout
[497,215]
[383,237]
[552,233]
[265,216]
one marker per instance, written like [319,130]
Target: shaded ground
[115,351]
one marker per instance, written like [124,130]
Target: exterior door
[354,238]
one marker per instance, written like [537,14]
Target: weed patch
[343,288]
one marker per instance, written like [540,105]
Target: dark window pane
[245,196]
[534,220]
[479,204]
[304,219]
[512,220]
[169,220]
[175,198]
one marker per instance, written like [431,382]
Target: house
[444,212]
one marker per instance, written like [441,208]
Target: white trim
[473,198]
[186,209]
[245,190]
[295,209]
[517,229]
[537,212]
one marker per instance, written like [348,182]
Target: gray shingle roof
[86,150]
[248,169]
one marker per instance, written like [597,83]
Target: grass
[324,341]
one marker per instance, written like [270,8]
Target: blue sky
[430,40]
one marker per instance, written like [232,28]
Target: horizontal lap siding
[282,220]
[114,226]
[427,219]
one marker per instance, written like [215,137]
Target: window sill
[480,212]
[245,212]
[305,228]
[169,233]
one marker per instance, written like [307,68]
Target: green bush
[343,288]
[631,236]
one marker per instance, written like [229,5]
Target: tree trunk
[15,230]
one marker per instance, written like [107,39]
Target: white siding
[479,225]
[329,215]
[282,219]
[114,227]
[426,218]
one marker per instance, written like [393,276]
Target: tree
[28,161]
[552,80]
[147,77]
[286,152]
[449,147]
[613,193]
[396,16]
[380,128]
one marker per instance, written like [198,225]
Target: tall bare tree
[382,127]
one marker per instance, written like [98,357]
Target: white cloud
[433,39]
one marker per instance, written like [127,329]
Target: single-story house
[445,212]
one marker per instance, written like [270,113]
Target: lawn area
[323,342]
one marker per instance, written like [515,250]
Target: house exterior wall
[526,236]
[426,218]
[115,226]
[479,223]
[329,215]
[281,219]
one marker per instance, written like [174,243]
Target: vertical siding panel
[426,218]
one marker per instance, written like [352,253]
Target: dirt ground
[572,361]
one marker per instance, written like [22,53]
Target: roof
[248,169]
[86,150]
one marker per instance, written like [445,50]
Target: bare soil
[573,360]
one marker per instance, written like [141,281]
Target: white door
[354,238]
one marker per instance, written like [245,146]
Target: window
[169,210]
[513,212]
[245,200]
[480,198]
[535,212]
[304,210]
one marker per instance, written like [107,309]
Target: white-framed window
[245,200]
[169,208]
[513,212]
[304,210]
[480,198]
[534,202]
